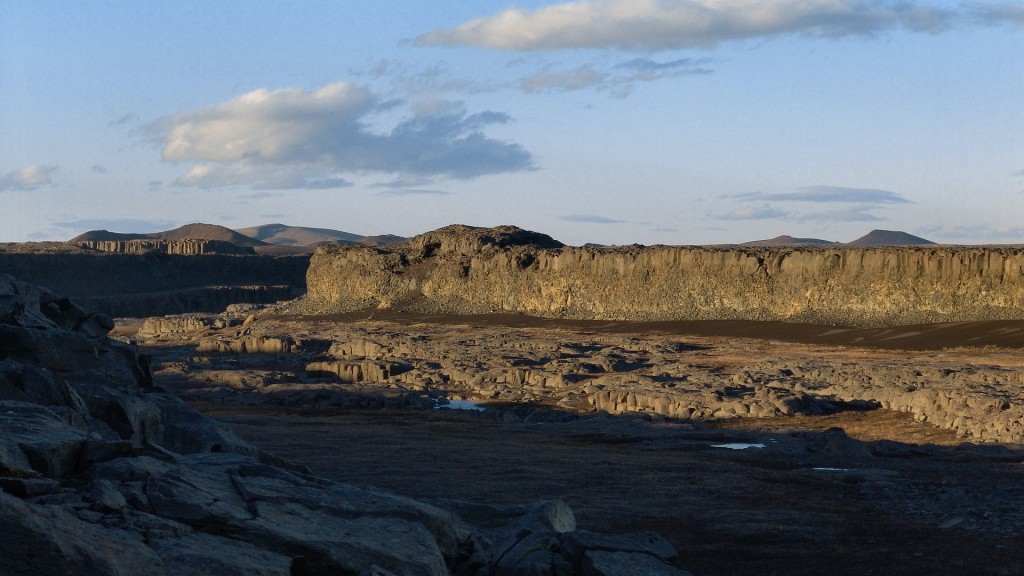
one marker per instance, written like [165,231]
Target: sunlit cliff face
[843,286]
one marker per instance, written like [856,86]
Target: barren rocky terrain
[455,403]
[753,448]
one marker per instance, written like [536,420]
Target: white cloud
[673,24]
[27,178]
[266,126]
[260,177]
[294,138]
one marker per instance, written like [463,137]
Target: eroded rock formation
[101,473]
[187,247]
[466,270]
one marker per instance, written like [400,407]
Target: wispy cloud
[27,178]
[590,218]
[617,80]
[753,213]
[261,195]
[98,169]
[577,79]
[1008,13]
[844,214]
[124,225]
[851,204]
[123,120]
[435,79]
[829,194]
[400,192]
[648,70]
[294,138]
[672,24]
[977,233]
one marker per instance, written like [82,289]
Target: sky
[606,121]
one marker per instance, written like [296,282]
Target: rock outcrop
[102,473]
[466,270]
[188,247]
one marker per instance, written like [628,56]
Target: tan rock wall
[845,286]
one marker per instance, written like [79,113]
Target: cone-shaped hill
[786,240]
[889,238]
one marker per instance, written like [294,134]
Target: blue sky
[613,121]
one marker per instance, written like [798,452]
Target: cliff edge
[466,270]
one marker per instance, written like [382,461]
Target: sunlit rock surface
[464,270]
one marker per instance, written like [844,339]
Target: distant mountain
[284,235]
[269,239]
[889,238]
[788,241]
[300,236]
[187,232]
[209,232]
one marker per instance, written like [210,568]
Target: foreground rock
[464,270]
[102,473]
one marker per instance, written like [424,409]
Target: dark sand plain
[886,494]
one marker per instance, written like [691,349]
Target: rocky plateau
[465,270]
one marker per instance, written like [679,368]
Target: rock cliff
[467,270]
[187,247]
[155,283]
[101,473]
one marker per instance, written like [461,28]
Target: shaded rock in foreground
[103,474]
